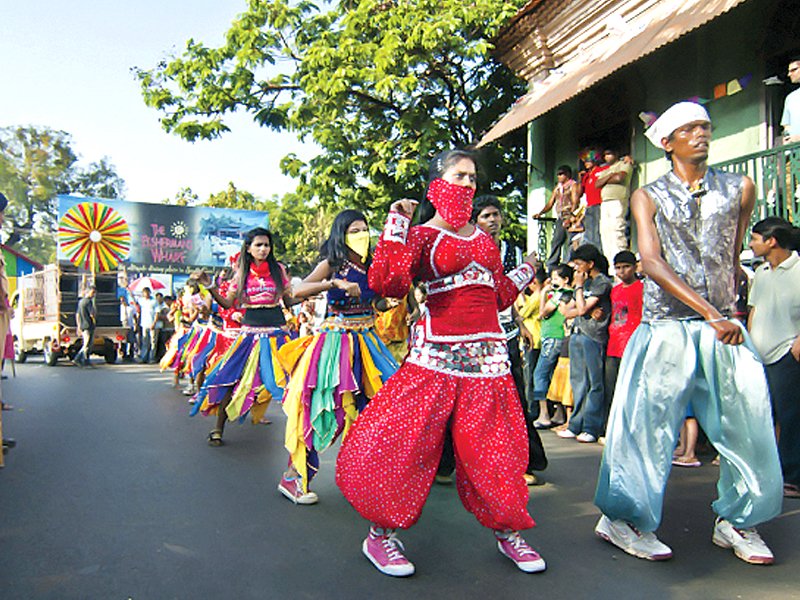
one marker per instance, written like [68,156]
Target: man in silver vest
[691,223]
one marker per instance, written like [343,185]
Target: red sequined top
[226,314]
[464,276]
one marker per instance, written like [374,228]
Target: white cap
[674,117]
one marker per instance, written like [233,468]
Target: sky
[66,66]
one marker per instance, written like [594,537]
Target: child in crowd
[592,312]
[555,294]
[527,307]
[626,314]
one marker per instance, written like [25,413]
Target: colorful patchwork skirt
[248,370]
[333,375]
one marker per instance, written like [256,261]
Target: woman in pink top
[248,375]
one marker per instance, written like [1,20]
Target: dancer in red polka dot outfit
[457,369]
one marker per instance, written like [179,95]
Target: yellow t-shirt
[528,308]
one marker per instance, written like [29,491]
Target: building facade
[600,70]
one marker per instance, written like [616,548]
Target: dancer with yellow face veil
[334,373]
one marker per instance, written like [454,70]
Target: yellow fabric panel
[277,367]
[371,375]
[293,406]
[260,406]
[350,412]
[290,352]
[245,384]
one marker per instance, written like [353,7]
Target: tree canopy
[36,164]
[379,85]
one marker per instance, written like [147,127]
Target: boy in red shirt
[626,314]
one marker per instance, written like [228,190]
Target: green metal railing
[776,174]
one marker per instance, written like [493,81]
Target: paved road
[112,493]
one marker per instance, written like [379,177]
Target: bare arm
[568,309]
[546,307]
[547,206]
[575,197]
[205,279]
[745,212]
[603,178]
[653,264]
[583,305]
[320,280]
[317,281]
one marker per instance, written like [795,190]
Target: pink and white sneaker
[511,544]
[293,490]
[385,551]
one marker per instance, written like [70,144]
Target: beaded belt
[263,330]
[472,275]
[348,323]
[468,359]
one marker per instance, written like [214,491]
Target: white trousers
[612,227]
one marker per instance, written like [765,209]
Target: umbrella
[146,282]
[94,236]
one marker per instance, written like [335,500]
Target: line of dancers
[343,381]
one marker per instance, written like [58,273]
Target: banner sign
[163,238]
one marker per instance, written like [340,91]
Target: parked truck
[44,314]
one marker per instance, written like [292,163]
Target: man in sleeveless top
[565,199]
[691,223]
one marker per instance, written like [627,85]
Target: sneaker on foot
[565,433]
[511,544]
[746,543]
[385,551]
[586,438]
[293,490]
[636,543]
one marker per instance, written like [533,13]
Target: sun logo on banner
[179,230]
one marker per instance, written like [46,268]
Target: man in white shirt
[147,321]
[774,325]
[790,121]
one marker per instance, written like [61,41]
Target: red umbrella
[146,282]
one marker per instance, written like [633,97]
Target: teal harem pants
[666,365]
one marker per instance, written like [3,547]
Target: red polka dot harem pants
[387,463]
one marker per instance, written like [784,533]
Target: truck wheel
[20,356]
[50,356]
[110,352]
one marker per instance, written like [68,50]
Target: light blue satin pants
[666,365]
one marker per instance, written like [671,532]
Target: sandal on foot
[215,438]
[686,462]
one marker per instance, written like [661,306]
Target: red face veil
[452,202]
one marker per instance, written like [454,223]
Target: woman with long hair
[335,372]
[248,375]
[457,372]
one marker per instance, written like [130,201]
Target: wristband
[396,228]
[720,320]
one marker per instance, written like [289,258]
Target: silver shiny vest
[697,240]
